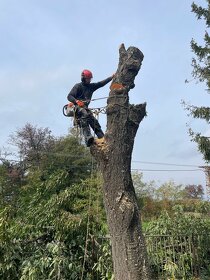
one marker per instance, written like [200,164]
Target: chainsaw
[69,110]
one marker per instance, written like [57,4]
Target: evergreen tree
[201,72]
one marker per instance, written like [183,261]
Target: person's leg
[83,116]
[95,126]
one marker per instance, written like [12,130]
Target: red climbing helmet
[87,74]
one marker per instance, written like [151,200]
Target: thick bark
[114,157]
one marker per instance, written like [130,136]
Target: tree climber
[80,95]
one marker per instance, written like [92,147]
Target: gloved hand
[70,104]
[80,103]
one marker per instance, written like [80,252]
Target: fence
[179,257]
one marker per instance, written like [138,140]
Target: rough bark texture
[114,157]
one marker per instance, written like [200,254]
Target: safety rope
[88,223]
[96,113]
[97,215]
[94,99]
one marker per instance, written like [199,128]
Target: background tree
[169,191]
[33,144]
[143,189]
[194,192]
[10,183]
[146,196]
[201,72]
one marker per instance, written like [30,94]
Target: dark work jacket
[84,92]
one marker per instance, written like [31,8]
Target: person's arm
[73,94]
[101,83]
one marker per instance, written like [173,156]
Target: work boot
[89,141]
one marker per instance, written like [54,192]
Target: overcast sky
[45,44]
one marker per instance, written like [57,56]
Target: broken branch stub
[130,61]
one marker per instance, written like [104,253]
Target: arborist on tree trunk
[80,95]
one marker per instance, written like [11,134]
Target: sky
[45,44]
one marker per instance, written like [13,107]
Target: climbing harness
[69,110]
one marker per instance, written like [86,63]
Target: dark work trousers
[87,120]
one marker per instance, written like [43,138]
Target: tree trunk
[114,158]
